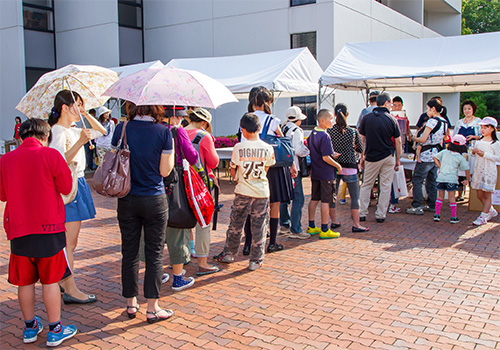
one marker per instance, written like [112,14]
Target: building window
[38,15]
[131,34]
[301,2]
[304,40]
[39,39]
[308,104]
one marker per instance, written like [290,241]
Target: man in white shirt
[291,222]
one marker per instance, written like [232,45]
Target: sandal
[157,317]
[206,271]
[132,315]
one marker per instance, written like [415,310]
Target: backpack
[439,146]
[199,167]
[282,146]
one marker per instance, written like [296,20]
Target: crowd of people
[43,230]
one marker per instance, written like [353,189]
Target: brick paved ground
[408,283]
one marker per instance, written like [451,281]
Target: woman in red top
[200,129]
[16,131]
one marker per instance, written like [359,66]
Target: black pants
[134,214]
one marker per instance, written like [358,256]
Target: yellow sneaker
[313,230]
[329,234]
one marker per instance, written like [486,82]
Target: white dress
[485,172]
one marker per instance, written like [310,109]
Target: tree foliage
[482,16]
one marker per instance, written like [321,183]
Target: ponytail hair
[340,115]
[63,97]
[261,98]
[251,97]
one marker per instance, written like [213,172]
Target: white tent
[123,71]
[444,64]
[288,73]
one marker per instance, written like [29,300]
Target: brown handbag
[112,177]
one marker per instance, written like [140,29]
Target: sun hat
[203,114]
[459,140]
[101,110]
[489,121]
[294,113]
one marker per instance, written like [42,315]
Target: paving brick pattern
[409,283]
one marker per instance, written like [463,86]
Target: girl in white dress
[484,178]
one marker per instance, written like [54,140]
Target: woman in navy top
[145,207]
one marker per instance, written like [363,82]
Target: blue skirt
[82,207]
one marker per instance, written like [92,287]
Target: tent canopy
[123,71]
[444,64]
[288,73]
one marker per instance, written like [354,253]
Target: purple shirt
[185,144]
[320,145]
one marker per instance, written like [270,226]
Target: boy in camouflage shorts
[249,164]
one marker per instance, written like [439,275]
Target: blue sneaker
[181,283]
[65,333]
[31,334]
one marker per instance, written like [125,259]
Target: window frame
[141,28]
[308,3]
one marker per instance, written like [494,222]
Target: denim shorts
[446,186]
[349,178]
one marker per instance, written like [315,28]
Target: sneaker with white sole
[393,209]
[481,220]
[454,220]
[415,211]
[65,333]
[437,217]
[181,283]
[491,214]
[30,335]
[300,235]
[224,257]
[343,201]
[254,265]
[166,277]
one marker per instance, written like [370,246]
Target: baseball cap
[459,140]
[294,113]
[489,121]
[180,111]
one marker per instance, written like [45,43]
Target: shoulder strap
[123,137]
[199,136]
[265,129]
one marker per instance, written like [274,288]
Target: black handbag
[304,168]
[180,214]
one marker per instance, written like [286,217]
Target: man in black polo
[380,134]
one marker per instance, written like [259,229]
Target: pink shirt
[208,153]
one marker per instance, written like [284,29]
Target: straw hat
[203,114]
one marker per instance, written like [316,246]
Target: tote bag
[180,214]
[399,183]
[199,196]
[112,177]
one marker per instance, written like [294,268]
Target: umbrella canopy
[171,86]
[89,81]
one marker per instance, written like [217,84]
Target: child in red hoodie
[32,178]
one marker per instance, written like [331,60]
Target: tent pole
[319,95]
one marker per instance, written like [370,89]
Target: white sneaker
[300,235]
[254,265]
[481,220]
[491,214]
[393,209]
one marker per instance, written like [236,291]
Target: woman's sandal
[132,315]
[157,317]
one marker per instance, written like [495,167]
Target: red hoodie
[31,180]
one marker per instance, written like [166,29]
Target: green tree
[482,16]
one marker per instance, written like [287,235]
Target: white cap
[489,121]
[294,113]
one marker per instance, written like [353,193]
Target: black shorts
[324,191]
